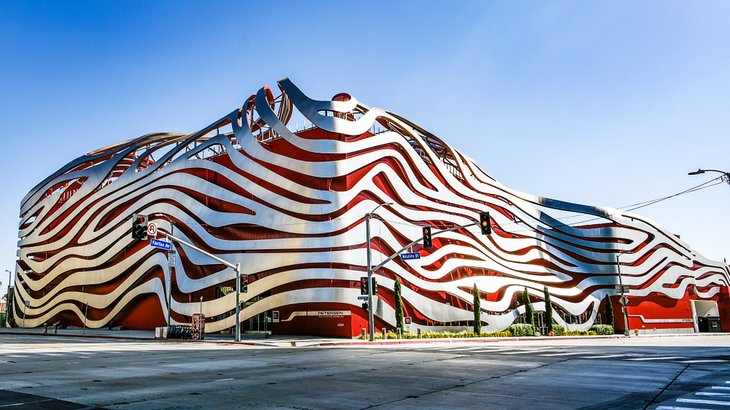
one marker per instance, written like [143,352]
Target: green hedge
[522,329]
[602,329]
[516,330]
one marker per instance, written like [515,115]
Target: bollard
[55,328]
[400,333]
[363,335]
[418,331]
[45,328]
[385,334]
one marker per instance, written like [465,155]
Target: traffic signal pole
[395,255]
[236,267]
[371,322]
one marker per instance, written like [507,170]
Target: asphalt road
[635,373]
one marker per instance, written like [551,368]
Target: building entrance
[706,316]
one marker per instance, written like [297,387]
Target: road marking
[720,387]
[699,401]
[605,356]
[562,354]
[643,359]
[675,408]
[707,393]
[224,380]
[704,361]
[25,403]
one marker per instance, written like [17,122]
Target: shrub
[580,333]
[529,312]
[522,329]
[558,330]
[548,310]
[398,304]
[602,329]
[477,311]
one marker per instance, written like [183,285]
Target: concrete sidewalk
[258,339]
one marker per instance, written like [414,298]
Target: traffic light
[139,227]
[364,285]
[244,284]
[427,237]
[484,223]
[375,286]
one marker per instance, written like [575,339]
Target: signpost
[161,244]
[171,258]
[406,256]
[152,229]
[622,288]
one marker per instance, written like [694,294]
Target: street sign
[406,256]
[152,229]
[618,289]
[363,297]
[161,244]
[27,303]
[624,300]
[171,259]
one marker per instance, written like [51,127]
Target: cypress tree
[548,310]
[609,311]
[477,311]
[398,305]
[529,313]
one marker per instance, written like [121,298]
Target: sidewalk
[257,339]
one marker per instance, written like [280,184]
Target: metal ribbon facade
[288,205]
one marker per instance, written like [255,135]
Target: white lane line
[562,354]
[676,408]
[224,380]
[704,361]
[720,387]
[605,356]
[643,359]
[699,401]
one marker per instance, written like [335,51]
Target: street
[633,373]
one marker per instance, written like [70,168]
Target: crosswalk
[552,352]
[716,396]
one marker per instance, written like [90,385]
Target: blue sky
[604,103]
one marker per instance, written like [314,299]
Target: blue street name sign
[161,244]
[363,297]
[406,256]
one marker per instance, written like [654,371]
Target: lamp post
[624,301]
[371,321]
[725,175]
[7,299]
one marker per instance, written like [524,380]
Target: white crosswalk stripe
[714,396]
[703,401]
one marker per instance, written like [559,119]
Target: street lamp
[624,301]
[725,175]
[371,321]
[7,298]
